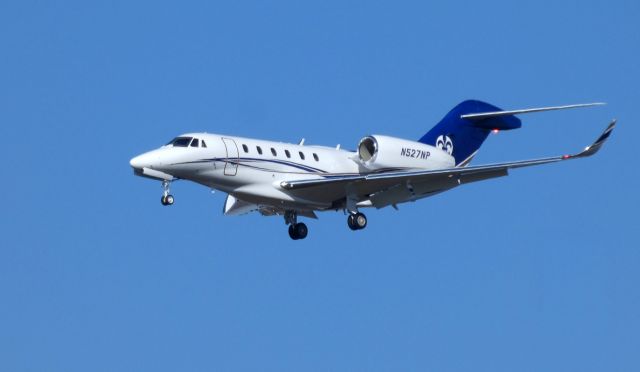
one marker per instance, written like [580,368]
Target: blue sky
[535,271]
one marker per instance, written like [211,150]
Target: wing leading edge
[480,172]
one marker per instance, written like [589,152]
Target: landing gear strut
[297,230]
[167,198]
[357,221]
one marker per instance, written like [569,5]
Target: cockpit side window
[203,144]
[180,141]
[195,142]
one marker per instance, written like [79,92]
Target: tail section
[462,131]
[462,136]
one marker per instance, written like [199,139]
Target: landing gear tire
[361,221]
[292,233]
[301,230]
[357,221]
[351,222]
[167,199]
[298,231]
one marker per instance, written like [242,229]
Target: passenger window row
[245,148]
[196,142]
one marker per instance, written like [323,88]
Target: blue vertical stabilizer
[462,137]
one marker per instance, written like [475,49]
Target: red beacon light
[495,131]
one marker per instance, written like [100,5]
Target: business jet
[292,181]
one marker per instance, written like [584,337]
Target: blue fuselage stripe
[281,162]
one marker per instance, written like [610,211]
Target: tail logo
[445,144]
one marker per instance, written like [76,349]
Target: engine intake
[367,149]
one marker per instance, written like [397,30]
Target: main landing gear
[357,221]
[167,199]
[297,230]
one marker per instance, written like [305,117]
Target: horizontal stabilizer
[485,115]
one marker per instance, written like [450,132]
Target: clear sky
[535,271]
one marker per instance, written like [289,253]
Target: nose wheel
[357,221]
[167,198]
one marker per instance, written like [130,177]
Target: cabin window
[286,152]
[195,142]
[203,144]
[273,151]
[259,150]
[315,156]
[301,155]
[245,148]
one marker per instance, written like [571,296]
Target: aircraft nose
[152,159]
[138,162]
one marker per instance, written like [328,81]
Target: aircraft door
[231,164]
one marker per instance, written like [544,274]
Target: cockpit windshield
[180,141]
[187,142]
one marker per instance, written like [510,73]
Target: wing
[421,183]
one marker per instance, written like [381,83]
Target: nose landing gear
[167,198]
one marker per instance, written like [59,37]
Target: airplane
[289,180]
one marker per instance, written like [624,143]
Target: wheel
[360,220]
[167,200]
[351,221]
[292,232]
[301,230]
[357,221]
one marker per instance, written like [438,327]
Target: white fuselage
[290,180]
[253,170]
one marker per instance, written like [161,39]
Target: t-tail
[463,130]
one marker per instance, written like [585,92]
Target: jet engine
[389,153]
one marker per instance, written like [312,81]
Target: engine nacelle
[383,152]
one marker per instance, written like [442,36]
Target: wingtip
[610,127]
[595,146]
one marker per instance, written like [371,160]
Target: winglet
[594,147]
